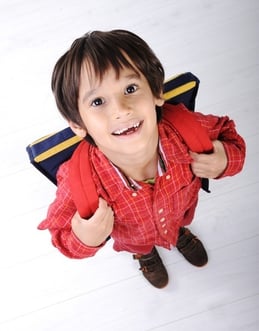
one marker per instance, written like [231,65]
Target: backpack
[49,152]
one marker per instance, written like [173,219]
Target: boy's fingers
[193,154]
[199,159]
[104,211]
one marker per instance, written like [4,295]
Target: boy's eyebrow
[133,76]
[88,94]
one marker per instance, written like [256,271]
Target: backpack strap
[82,186]
[195,136]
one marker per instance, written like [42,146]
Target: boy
[108,86]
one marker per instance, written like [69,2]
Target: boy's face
[118,112]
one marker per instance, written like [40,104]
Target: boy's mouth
[128,130]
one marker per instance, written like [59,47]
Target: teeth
[118,132]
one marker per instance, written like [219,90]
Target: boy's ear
[160,101]
[77,129]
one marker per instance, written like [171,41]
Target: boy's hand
[95,230]
[210,165]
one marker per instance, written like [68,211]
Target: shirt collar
[130,183]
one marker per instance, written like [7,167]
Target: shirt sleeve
[224,130]
[59,217]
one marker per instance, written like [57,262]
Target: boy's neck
[141,165]
[140,171]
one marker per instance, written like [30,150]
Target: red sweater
[145,215]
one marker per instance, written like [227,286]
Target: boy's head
[101,51]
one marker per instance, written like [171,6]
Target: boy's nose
[120,108]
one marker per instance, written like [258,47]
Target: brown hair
[102,50]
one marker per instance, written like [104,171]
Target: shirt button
[162,219]
[165,232]
[167,177]
[134,194]
[160,211]
[163,225]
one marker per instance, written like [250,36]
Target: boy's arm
[228,156]
[59,219]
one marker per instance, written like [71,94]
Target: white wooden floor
[40,290]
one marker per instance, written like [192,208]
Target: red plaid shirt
[145,214]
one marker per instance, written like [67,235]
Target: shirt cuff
[81,250]
[235,161]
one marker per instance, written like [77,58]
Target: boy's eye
[131,89]
[97,102]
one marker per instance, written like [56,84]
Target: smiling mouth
[129,130]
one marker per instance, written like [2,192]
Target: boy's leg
[153,268]
[191,248]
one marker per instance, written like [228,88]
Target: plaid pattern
[145,215]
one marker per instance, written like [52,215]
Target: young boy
[108,86]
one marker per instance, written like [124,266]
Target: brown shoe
[153,268]
[191,248]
